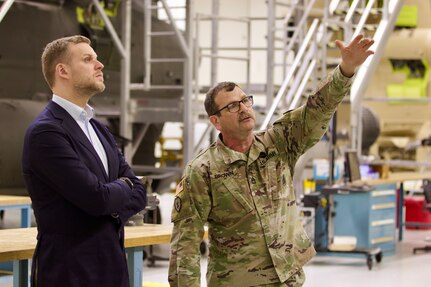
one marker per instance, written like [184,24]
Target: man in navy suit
[81,187]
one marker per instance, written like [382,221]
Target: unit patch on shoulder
[180,187]
[177,204]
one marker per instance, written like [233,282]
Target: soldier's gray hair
[56,52]
[210,105]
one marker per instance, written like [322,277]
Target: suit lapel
[72,127]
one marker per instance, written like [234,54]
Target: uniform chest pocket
[277,184]
[230,204]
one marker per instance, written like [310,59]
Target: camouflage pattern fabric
[248,202]
[296,280]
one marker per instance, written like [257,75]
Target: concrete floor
[399,270]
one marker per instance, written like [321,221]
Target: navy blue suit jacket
[80,243]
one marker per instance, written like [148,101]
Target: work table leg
[400,212]
[135,264]
[20,273]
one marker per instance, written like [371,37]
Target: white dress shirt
[83,117]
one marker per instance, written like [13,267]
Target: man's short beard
[90,89]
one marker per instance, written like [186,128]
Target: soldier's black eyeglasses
[234,106]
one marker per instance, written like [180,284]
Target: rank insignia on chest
[180,187]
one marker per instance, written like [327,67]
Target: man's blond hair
[56,52]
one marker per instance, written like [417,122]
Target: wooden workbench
[18,245]
[399,177]
[9,200]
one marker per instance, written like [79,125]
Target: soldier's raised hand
[354,54]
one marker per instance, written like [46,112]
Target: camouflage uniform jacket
[248,201]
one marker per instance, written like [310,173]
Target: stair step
[162,33]
[141,87]
[155,7]
[335,27]
[167,60]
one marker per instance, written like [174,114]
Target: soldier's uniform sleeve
[189,214]
[298,130]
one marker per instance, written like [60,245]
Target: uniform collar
[230,156]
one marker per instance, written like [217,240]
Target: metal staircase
[347,19]
[288,33]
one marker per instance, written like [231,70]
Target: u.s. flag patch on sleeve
[180,187]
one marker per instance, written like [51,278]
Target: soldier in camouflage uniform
[241,186]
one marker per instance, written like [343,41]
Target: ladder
[216,53]
[172,108]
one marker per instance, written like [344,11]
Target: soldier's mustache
[244,115]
